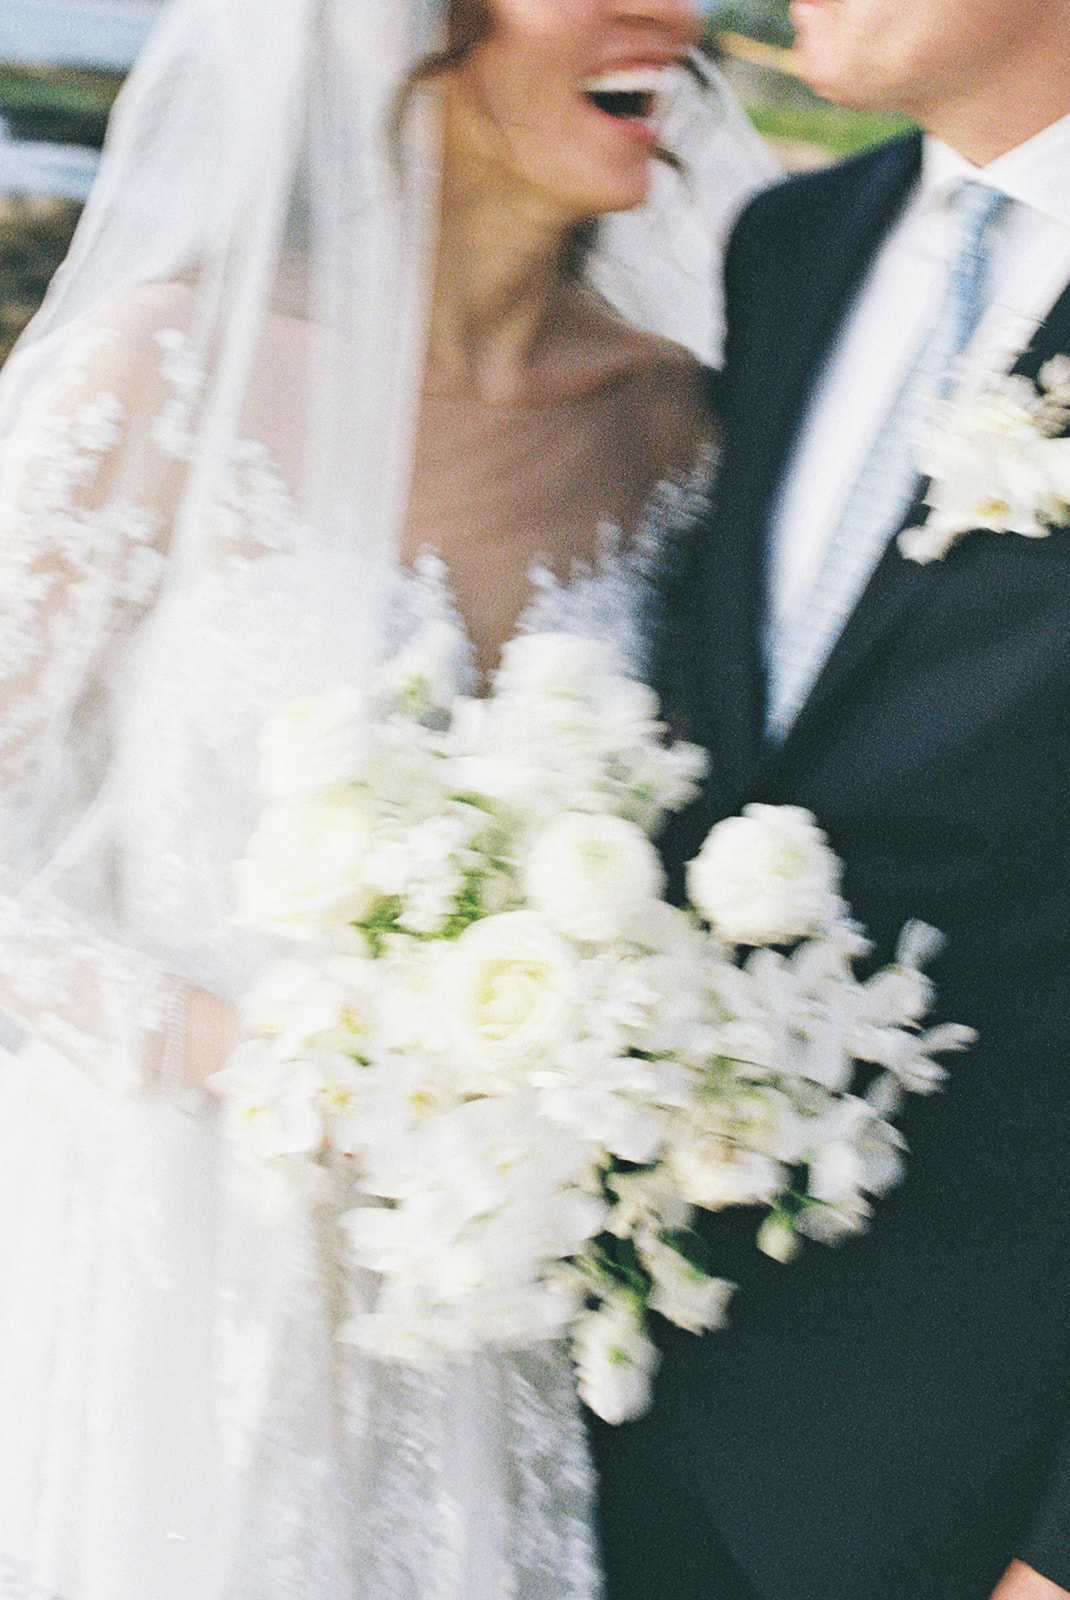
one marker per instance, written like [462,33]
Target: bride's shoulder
[114,352]
[660,391]
[670,400]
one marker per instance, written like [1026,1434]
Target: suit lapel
[896,580]
[772,366]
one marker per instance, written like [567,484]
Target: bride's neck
[500,293]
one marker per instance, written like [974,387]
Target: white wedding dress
[176,1420]
[205,448]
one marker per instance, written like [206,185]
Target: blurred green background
[63,106]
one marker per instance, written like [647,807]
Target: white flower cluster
[512,1067]
[998,459]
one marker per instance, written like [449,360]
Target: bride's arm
[83,551]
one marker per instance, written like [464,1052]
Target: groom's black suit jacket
[886,1420]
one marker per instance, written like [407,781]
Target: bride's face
[560,97]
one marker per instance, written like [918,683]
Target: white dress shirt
[898,303]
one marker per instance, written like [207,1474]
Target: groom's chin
[832,56]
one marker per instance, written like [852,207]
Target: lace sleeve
[82,555]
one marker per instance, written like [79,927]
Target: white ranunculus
[509,994]
[591,875]
[615,1361]
[304,866]
[555,664]
[313,744]
[271,1107]
[682,1293]
[767,877]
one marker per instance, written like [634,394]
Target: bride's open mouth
[630,96]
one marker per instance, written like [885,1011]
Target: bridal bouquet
[515,1071]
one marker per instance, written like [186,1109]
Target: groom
[890,1420]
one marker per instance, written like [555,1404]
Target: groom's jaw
[983,75]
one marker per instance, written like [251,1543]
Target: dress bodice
[221,656]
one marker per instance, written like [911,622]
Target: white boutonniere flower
[998,460]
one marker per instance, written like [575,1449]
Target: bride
[340,346]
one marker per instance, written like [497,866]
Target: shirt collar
[1033,173]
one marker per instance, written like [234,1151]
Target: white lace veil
[247,294]
[229,362]
[660,265]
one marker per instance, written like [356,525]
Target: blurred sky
[91,33]
[97,33]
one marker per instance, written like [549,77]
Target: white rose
[590,875]
[509,989]
[304,866]
[313,744]
[767,877]
[627,709]
[615,1362]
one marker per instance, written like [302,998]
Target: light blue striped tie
[881,496]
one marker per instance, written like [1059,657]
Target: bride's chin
[624,193]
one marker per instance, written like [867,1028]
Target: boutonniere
[997,459]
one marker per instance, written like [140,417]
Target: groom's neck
[981,138]
[984,120]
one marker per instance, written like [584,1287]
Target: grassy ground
[841,133]
[34,236]
[69,107]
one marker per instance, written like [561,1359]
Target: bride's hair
[470,22]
